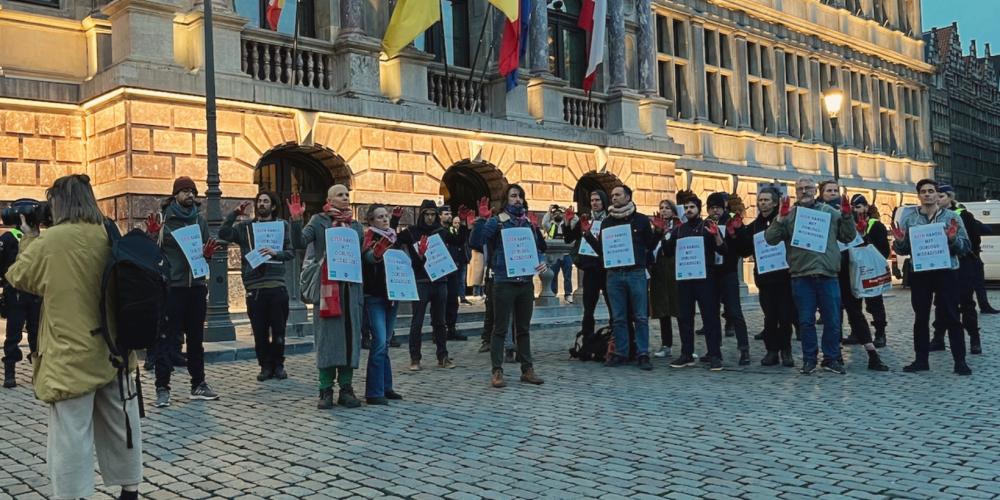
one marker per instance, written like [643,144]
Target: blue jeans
[564,264]
[627,288]
[824,293]
[381,314]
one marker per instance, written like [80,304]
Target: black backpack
[139,275]
[593,347]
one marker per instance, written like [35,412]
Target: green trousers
[343,375]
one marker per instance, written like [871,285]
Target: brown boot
[529,377]
[497,379]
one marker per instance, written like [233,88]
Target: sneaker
[446,363]
[808,367]
[833,365]
[850,340]
[9,381]
[961,368]
[280,373]
[704,358]
[394,343]
[162,398]
[875,363]
[347,399]
[937,344]
[204,392]
[916,366]
[664,352]
[744,358]
[989,310]
[569,299]
[265,373]
[715,364]
[509,356]
[484,347]
[465,301]
[770,359]
[644,363]
[325,399]
[615,361]
[393,395]
[414,366]
[377,401]
[880,340]
[683,360]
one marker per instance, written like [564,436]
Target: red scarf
[329,290]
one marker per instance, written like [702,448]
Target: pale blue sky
[978,20]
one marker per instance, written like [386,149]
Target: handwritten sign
[189,239]
[690,261]
[768,257]
[857,241]
[617,245]
[929,247]
[438,259]
[255,258]
[585,248]
[400,282]
[343,254]
[812,229]
[519,251]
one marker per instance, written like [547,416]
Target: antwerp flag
[508,7]
[409,19]
[593,20]
[273,13]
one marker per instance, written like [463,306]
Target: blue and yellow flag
[409,20]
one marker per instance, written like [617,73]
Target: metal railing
[277,58]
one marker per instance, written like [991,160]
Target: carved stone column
[356,55]
[351,16]
[779,90]
[616,45]
[646,45]
[698,58]
[743,110]
[538,41]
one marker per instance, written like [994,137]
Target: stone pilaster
[815,101]
[616,45]
[226,29]
[898,122]
[847,116]
[545,95]
[538,41]
[653,116]
[698,61]
[512,104]
[646,46]
[779,91]
[925,126]
[351,17]
[742,93]
[140,30]
[874,119]
[623,113]
[356,57]
[404,77]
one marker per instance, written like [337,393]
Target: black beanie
[428,204]
[717,200]
[859,199]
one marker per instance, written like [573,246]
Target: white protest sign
[400,283]
[929,247]
[255,258]
[812,229]
[520,254]
[616,243]
[189,239]
[438,261]
[343,254]
[768,257]
[585,248]
[268,235]
[690,261]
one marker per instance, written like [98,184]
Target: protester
[266,294]
[814,273]
[380,310]
[21,309]
[187,296]
[875,234]
[860,333]
[337,316]
[594,275]
[968,275]
[434,293]
[72,369]
[662,281]
[463,264]
[727,281]
[626,285]
[701,290]
[775,286]
[552,226]
[455,237]
[512,296]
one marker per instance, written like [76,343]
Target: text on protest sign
[812,229]
[585,248]
[400,283]
[189,239]
[519,251]
[438,261]
[343,254]
[690,260]
[768,257]
[929,247]
[616,246]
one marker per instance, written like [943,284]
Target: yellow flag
[409,20]
[508,7]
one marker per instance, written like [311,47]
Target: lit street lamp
[833,99]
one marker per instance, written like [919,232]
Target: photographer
[19,308]
[552,225]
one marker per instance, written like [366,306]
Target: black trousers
[513,302]
[595,282]
[779,311]
[852,305]
[981,297]
[268,312]
[488,318]
[926,287]
[22,309]
[703,292]
[727,287]
[456,287]
[967,270]
[666,331]
[436,295]
[186,309]
[876,307]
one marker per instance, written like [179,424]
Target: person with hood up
[594,276]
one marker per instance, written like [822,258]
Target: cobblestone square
[590,431]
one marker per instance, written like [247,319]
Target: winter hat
[859,199]
[427,205]
[717,200]
[182,183]
[946,188]
[736,204]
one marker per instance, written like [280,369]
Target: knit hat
[428,205]
[182,183]
[444,208]
[945,188]
[717,200]
[859,199]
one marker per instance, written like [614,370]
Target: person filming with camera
[21,309]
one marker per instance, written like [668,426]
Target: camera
[36,213]
[558,218]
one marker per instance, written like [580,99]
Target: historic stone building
[965,115]
[711,95]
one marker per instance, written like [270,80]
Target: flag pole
[444,57]
[487,17]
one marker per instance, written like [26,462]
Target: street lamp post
[218,324]
[832,100]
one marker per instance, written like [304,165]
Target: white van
[988,214]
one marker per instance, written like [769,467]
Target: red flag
[273,13]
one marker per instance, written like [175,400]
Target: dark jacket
[8,252]
[456,241]
[410,236]
[643,239]
[180,270]
[696,227]
[877,236]
[730,258]
[270,274]
[486,234]
[971,227]
[572,236]
[373,271]
[742,245]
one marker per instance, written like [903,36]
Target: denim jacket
[958,247]
[486,233]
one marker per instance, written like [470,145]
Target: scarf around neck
[340,217]
[389,234]
[623,212]
[596,215]
[186,215]
[516,213]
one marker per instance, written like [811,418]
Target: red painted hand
[296,207]
[734,225]
[861,224]
[369,237]
[381,247]
[585,224]
[242,209]
[659,223]
[484,208]
[711,227]
[569,213]
[898,232]
[210,247]
[786,207]
[153,224]
[533,219]
[845,206]
[397,212]
[952,229]
[422,246]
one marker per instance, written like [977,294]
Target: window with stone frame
[719,78]
[294,16]
[912,122]
[861,110]
[451,36]
[44,3]
[672,64]
[568,43]
[797,96]
[887,116]
[760,87]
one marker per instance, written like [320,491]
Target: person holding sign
[814,272]
[627,286]
[432,292]
[910,238]
[264,282]
[337,316]
[513,295]
[379,306]
[701,289]
[663,280]
[182,234]
[770,273]
[968,275]
[727,281]
[875,234]
[455,237]
[594,276]
[860,333]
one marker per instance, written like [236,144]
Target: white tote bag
[870,275]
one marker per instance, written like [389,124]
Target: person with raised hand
[968,275]
[727,282]
[381,312]
[663,280]
[594,275]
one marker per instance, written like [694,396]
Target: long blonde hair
[72,200]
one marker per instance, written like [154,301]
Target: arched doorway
[465,182]
[307,170]
[588,184]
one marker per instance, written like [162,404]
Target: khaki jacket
[64,266]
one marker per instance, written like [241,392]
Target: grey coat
[338,340]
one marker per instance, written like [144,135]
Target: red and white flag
[593,20]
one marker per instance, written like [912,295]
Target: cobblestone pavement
[590,431]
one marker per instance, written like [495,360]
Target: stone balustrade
[456,91]
[276,58]
[586,112]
